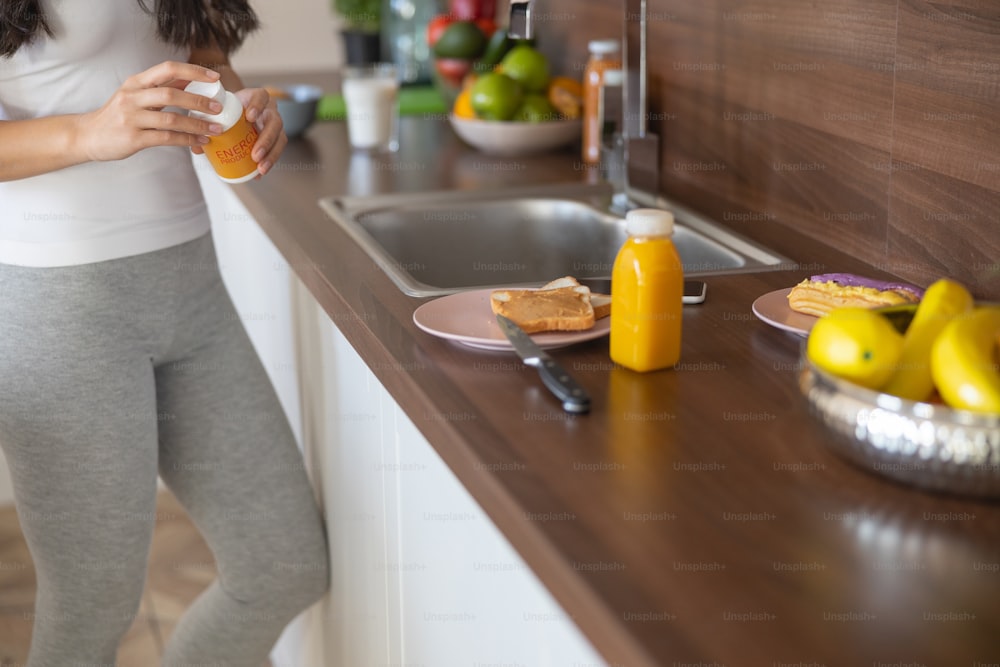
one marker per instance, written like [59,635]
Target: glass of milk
[371,95]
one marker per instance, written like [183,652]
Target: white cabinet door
[467,597]
[422,577]
[345,427]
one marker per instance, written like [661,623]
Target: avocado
[461,39]
[496,48]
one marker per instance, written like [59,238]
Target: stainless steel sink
[435,243]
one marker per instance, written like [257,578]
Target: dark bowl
[298,110]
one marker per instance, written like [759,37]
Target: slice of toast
[556,309]
[601,303]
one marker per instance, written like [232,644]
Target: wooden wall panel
[941,226]
[945,196]
[872,125]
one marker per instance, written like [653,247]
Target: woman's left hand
[262,112]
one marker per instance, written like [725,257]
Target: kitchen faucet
[642,147]
[520,25]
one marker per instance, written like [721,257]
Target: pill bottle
[647,288]
[229,152]
[605,54]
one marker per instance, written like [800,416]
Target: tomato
[437,26]
[465,10]
[487,25]
[453,70]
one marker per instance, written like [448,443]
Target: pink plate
[773,309]
[466,318]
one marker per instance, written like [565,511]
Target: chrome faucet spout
[634,87]
[520,25]
[642,147]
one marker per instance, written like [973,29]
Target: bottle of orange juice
[647,288]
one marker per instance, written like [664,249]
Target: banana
[943,301]
[963,361]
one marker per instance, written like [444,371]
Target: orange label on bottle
[229,153]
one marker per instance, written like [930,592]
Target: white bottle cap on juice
[649,222]
[232,109]
[210,89]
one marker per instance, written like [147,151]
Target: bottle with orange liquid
[604,55]
[647,288]
[229,152]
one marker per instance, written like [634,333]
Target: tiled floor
[180,567]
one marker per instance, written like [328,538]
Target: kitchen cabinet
[420,574]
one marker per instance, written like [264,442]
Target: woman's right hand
[134,118]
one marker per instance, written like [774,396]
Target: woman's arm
[131,120]
[260,108]
[37,146]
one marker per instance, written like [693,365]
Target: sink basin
[436,243]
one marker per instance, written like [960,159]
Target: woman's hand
[262,111]
[134,118]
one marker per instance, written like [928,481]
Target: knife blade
[574,398]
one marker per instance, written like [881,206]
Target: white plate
[467,318]
[773,309]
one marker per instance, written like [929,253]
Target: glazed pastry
[822,293]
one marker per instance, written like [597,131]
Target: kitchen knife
[565,388]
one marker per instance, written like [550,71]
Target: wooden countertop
[696,515]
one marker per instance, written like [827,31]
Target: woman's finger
[166,72]
[254,101]
[157,98]
[272,156]
[150,138]
[271,129]
[175,122]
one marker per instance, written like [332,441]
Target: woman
[121,356]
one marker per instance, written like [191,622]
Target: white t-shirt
[98,210]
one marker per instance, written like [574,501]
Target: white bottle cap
[212,90]
[604,46]
[649,222]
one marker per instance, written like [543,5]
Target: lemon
[527,66]
[855,344]
[943,301]
[964,363]
[495,96]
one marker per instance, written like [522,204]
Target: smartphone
[694,290]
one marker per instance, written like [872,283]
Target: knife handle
[566,389]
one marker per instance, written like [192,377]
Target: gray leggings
[114,371]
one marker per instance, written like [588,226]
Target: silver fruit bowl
[926,445]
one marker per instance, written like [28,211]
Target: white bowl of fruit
[506,101]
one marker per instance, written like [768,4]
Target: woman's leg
[227,453]
[78,427]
